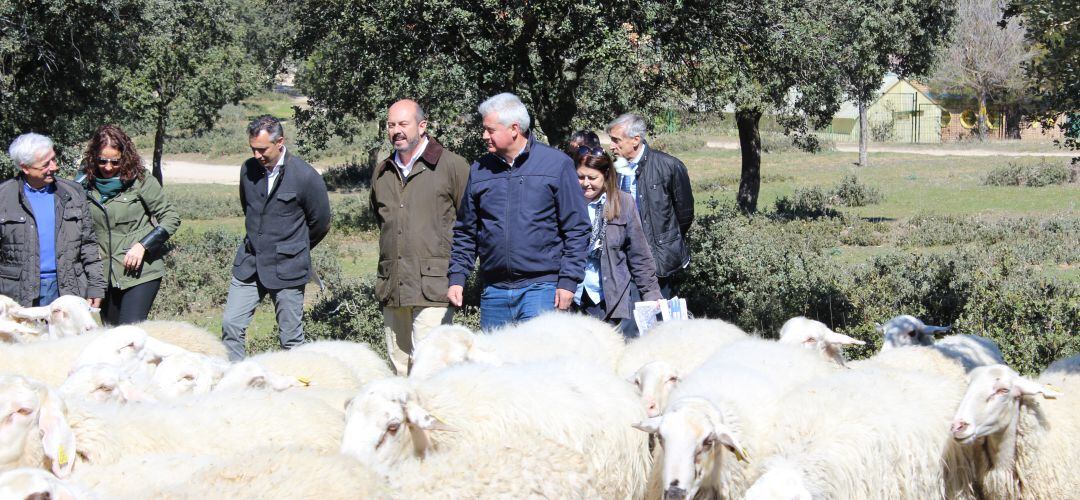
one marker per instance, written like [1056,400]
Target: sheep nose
[959,426]
[651,410]
[674,493]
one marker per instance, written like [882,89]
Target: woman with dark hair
[132,219]
[618,252]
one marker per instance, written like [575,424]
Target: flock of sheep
[556,407]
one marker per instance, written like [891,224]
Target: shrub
[352,213]
[348,177]
[805,203]
[861,233]
[200,202]
[1044,173]
[197,272]
[776,143]
[852,193]
[347,310]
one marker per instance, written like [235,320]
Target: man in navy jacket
[524,216]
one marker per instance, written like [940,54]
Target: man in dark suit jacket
[286,213]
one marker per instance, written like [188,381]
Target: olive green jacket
[124,220]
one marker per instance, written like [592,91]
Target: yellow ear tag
[304,380]
[61,456]
[1052,388]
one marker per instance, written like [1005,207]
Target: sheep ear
[727,438]
[834,338]
[1030,388]
[650,425]
[935,330]
[56,436]
[421,418]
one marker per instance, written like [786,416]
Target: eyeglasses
[108,161]
[586,151]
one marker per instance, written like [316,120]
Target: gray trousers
[240,305]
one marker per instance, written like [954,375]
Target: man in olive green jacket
[415,193]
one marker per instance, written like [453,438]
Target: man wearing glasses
[659,184]
[47,243]
[286,213]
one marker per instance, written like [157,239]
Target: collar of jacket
[431,156]
[521,158]
[644,158]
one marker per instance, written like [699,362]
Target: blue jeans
[500,306]
[48,291]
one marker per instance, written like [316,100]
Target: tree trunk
[750,145]
[864,131]
[159,141]
[982,116]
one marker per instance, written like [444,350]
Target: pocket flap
[434,267]
[291,249]
[286,196]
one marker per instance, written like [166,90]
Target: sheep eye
[189,377]
[1003,391]
[707,443]
[637,383]
[104,388]
[24,411]
[911,334]
[673,378]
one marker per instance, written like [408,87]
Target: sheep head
[905,330]
[992,402]
[693,435]
[102,383]
[251,375]
[8,306]
[116,346]
[385,425]
[186,373]
[33,415]
[447,345]
[813,334]
[36,483]
[655,381]
[70,315]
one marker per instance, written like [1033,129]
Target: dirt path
[186,172]
[919,151]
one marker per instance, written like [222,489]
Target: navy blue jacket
[527,223]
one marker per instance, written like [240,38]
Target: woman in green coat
[132,218]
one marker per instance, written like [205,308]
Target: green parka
[125,219]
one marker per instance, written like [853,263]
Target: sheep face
[782,481]
[905,330]
[655,381]
[250,375]
[35,483]
[70,315]
[32,415]
[101,383]
[385,425]
[186,373]
[117,346]
[815,335]
[445,346]
[992,402]
[693,435]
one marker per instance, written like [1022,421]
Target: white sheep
[69,315]
[579,406]
[36,484]
[247,374]
[103,383]
[16,332]
[969,350]
[868,433]
[317,369]
[186,373]
[813,334]
[722,412]
[548,336]
[51,361]
[1025,445]
[365,363]
[264,471]
[49,432]
[185,336]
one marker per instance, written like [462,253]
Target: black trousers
[130,305]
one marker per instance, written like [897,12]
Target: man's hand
[94,302]
[454,294]
[563,299]
[134,257]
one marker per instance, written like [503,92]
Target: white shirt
[510,161]
[273,173]
[406,168]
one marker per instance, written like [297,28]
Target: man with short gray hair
[286,213]
[660,185]
[50,247]
[524,215]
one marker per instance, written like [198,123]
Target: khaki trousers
[405,326]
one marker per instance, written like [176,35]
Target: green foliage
[758,272]
[195,202]
[347,177]
[1044,173]
[849,192]
[805,203]
[197,272]
[352,213]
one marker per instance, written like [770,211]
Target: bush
[1044,173]
[197,272]
[200,202]
[352,213]
[852,193]
[776,143]
[348,177]
[805,203]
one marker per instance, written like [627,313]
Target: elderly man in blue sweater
[524,215]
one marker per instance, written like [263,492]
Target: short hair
[509,108]
[25,148]
[633,125]
[266,123]
[587,138]
[421,115]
